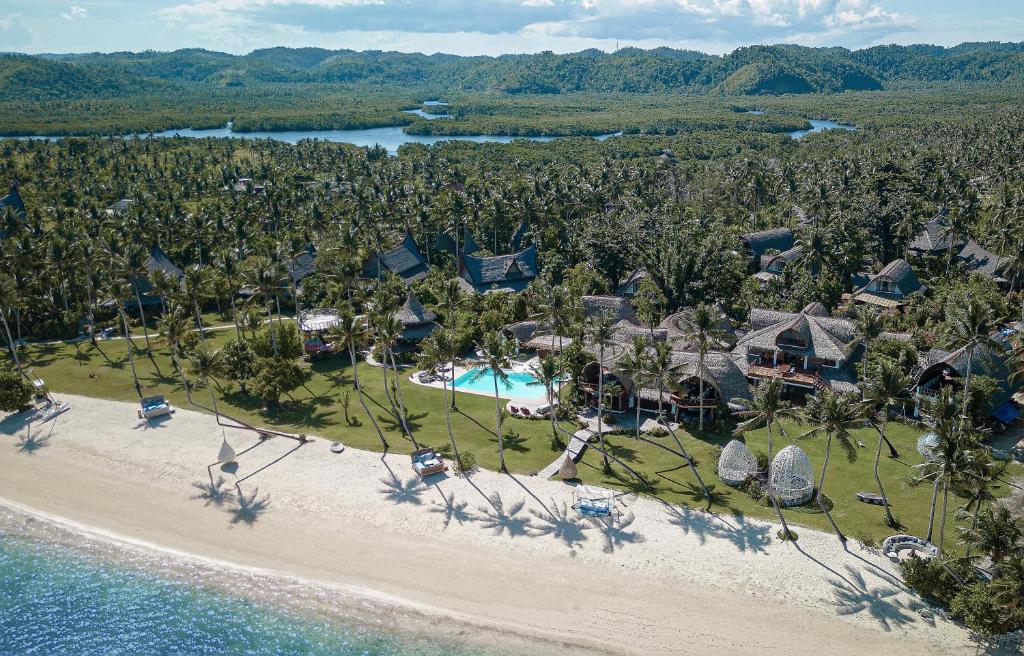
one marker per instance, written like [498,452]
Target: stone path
[577,445]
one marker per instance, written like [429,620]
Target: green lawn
[317,409]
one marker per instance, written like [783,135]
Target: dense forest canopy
[752,70]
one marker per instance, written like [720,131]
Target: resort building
[943,368]
[405,261]
[614,308]
[629,286]
[809,350]
[756,244]
[678,326]
[13,201]
[417,323]
[976,259]
[773,265]
[934,239]
[157,261]
[889,287]
[500,273]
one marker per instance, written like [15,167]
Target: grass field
[317,409]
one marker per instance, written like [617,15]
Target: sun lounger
[870,497]
[526,413]
[426,462]
[154,406]
[514,409]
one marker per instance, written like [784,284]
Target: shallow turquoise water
[818,126]
[56,601]
[518,385]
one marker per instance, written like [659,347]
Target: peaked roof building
[757,243]
[12,200]
[417,321]
[405,261]
[889,287]
[933,239]
[976,258]
[500,273]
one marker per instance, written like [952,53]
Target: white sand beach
[503,552]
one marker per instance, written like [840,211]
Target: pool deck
[518,365]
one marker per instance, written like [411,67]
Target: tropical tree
[998,534]
[887,391]
[833,415]
[450,299]
[387,329]
[135,258]
[634,365]
[436,352]
[174,325]
[766,409]
[601,337]
[973,324]
[196,281]
[120,291]
[496,354]
[547,372]
[264,278]
[352,330]
[869,327]
[703,332]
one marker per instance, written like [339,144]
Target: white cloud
[75,12]
[562,25]
[13,33]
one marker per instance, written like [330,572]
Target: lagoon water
[818,126]
[55,600]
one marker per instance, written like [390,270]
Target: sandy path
[497,551]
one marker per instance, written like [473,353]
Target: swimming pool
[518,386]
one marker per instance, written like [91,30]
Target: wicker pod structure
[736,464]
[791,477]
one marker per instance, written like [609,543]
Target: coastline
[489,558]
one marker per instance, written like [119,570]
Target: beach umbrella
[568,469]
[226,453]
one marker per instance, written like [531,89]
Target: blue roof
[1007,412]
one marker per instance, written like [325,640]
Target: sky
[492,27]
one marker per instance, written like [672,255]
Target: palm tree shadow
[879,602]
[493,436]
[561,523]
[616,531]
[32,443]
[451,510]
[745,536]
[398,491]
[213,493]
[501,519]
[249,509]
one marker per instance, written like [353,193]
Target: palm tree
[601,336]
[7,299]
[548,373]
[887,391]
[206,363]
[703,332]
[352,330]
[173,326]
[196,281]
[135,260]
[660,369]
[766,409]
[833,415]
[634,366]
[436,351]
[263,277]
[982,477]
[496,352]
[120,291]
[450,298]
[950,457]
[387,329]
[869,327]
[998,534]
[551,312]
[974,324]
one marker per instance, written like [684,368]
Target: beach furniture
[870,497]
[426,462]
[514,409]
[526,412]
[337,447]
[736,464]
[154,406]
[902,547]
[592,501]
[51,410]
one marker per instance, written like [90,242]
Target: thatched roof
[974,257]
[826,338]
[780,239]
[720,370]
[301,265]
[615,307]
[678,326]
[158,261]
[521,331]
[900,273]
[405,261]
[781,259]
[12,200]
[501,272]
[412,312]
[933,238]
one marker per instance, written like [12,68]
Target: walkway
[577,445]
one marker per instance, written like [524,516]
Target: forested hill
[754,70]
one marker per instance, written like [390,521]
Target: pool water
[518,386]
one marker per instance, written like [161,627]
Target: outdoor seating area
[791,477]
[901,547]
[593,501]
[426,462]
[154,406]
[736,464]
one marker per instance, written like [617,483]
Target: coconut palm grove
[765,295]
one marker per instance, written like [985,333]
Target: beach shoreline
[494,555]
